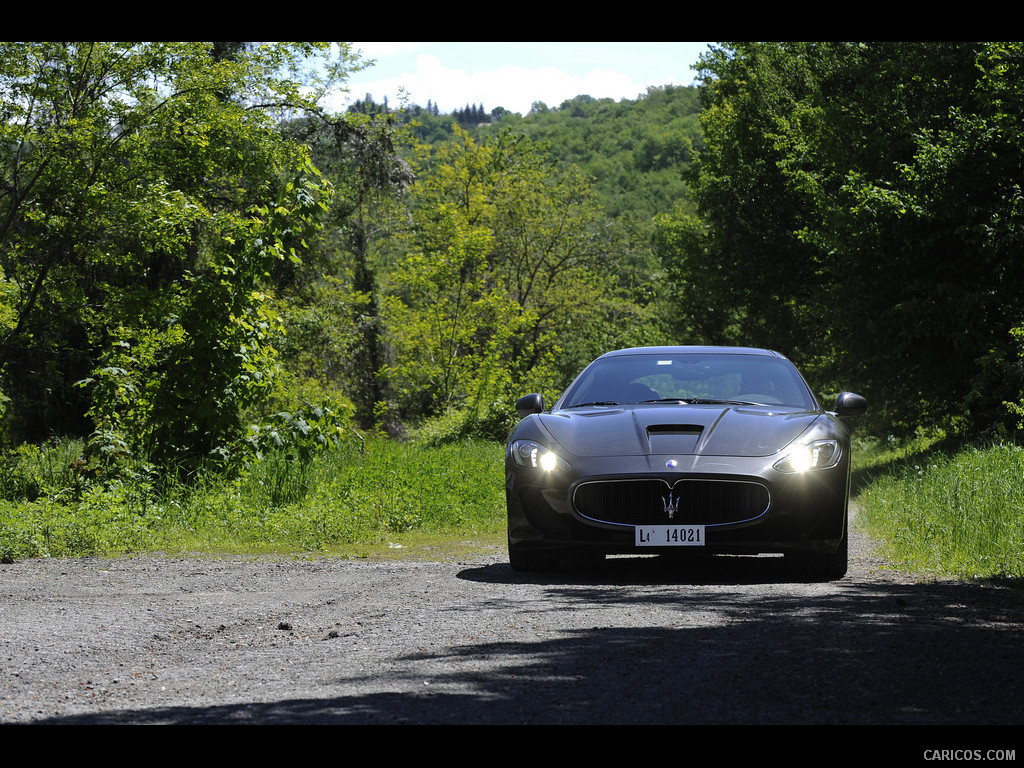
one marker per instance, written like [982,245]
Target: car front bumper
[745,505]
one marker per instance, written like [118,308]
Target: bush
[492,422]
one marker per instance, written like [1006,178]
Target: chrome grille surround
[653,501]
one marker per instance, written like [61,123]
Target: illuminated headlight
[527,453]
[803,457]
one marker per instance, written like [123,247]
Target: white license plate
[669,535]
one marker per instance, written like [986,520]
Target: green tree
[504,266]
[361,156]
[635,151]
[448,319]
[859,211]
[746,272]
[147,191]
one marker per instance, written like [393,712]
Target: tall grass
[347,495]
[958,514]
[955,514]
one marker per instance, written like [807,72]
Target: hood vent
[673,438]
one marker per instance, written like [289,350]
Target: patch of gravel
[635,641]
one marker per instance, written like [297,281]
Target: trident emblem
[671,505]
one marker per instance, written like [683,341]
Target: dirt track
[636,641]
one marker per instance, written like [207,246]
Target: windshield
[740,378]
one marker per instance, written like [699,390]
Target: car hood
[706,430]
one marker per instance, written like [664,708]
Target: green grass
[386,497]
[950,513]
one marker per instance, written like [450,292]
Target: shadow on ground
[852,652]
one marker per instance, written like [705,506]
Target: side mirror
[528,404]
[849,404]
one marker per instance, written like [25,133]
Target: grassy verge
[397,498]
[951,513]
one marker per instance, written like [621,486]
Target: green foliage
[860,205]
[361,158]
[505,264]
[395,487]
[1016,409]
[179,401]
[347,494]
[636,151]
[491,422]
[298,436]
[445,306]
[52,470]
[148,194]
[951,514]
[159,249]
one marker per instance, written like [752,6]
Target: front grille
[649,502]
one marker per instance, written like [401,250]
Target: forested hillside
[199,264]
[860,208]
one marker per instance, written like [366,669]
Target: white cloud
[515,75]
[513,87]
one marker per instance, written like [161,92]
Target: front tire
[528,560]
[823,566]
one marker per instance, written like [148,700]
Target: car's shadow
[647,569]
[649,649]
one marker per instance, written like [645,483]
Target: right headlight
[532,455]
[804,457]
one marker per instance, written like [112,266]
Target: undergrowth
[352,493]
[954,513]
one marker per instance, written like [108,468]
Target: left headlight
[533,455]
[804,457]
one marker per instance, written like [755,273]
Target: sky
[515,75]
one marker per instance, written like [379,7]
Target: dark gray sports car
[681,450]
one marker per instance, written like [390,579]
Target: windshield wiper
[596,402]
[712,401]
[701,401]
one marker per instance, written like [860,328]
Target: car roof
[689,350]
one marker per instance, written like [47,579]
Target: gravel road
[635,641]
